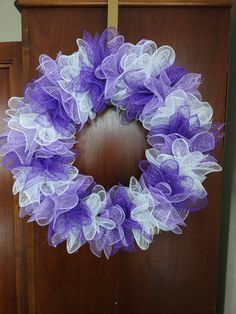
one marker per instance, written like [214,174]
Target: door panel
[10,269]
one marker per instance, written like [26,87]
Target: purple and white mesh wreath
[143,83]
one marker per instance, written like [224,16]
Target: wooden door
[12,281]
[178,274]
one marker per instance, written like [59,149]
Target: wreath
[142,81]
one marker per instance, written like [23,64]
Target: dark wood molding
[30,227]
[73,3]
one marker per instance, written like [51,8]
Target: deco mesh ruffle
[142,81]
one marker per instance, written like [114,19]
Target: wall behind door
[10,21]
[10,30]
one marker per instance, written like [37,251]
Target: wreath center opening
[109,150]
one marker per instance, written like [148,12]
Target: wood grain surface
[12,283]
[70,3]
[178,274]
